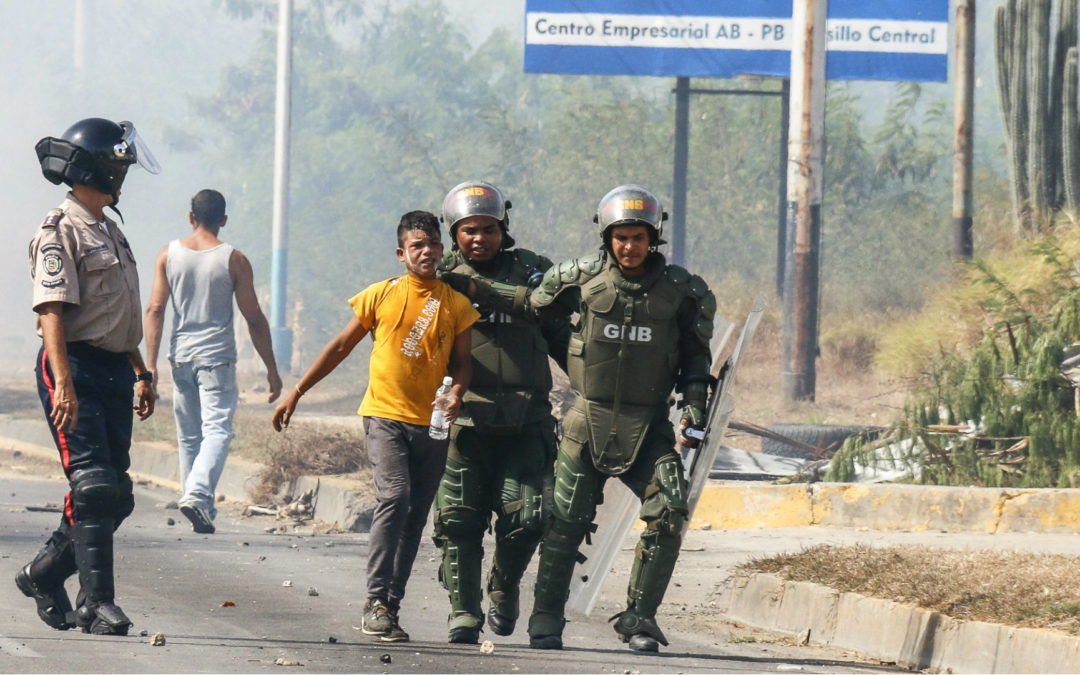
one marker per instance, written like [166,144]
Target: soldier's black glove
[694,431]
[456,281]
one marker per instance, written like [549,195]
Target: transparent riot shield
[616,516]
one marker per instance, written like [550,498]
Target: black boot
[43,580]
[92,539]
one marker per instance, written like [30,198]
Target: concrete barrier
[897,633]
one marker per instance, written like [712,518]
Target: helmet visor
[133,146]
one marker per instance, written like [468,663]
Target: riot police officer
[643,330]
[86,296]
[503,443]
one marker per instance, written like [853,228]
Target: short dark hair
[425,221]
[208,207]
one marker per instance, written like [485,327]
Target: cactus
[1035,106]
[1070,133]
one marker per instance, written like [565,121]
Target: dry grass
[847,392]
[1018,589]
[314,449]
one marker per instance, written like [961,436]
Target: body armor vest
[624,359]
[511,377]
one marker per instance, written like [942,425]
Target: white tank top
[202,299]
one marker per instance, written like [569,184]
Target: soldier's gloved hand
[692,425]
[459,282]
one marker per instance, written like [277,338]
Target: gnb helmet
[476,198]
[95,152]
[631,205]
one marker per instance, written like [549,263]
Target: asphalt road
[172,581]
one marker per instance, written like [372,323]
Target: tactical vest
[624,359]
[511,377]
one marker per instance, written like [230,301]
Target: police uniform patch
[53,283]
[52,218]
[52,264]
[51,247]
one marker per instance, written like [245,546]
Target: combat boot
[465,629]
[104,618]
[92,540]
[640,632]
[43,580]
[545,631]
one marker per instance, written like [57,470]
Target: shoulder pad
[52,218]
[527,258]
[698,287]
[569,271]
[591,264]
[677,274]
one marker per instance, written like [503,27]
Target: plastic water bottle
[444,396]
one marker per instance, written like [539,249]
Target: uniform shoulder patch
[52,218]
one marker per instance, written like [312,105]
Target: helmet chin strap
[113,207]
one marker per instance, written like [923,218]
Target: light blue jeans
[204,403]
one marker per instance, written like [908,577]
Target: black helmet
[95,152]
[631,205]
[476,198]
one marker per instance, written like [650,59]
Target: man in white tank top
[202,274]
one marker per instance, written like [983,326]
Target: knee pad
[577,491]
[125,499]
[531,511]
[452,522]
[664,508]
[94,491]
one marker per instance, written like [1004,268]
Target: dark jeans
[407,465]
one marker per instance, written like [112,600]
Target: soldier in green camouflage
[502,446]
[643,330]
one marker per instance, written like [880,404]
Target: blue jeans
[204,402]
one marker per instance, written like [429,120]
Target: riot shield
[616,516]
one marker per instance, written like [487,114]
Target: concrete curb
[893,632]
[889,507]
[338,501]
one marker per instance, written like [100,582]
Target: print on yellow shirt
[413,323]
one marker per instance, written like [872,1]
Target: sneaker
[199,517]
[382,621]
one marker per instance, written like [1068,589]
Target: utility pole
[782,201]
[806,136]
[682,159]
[279,274]
[963,118]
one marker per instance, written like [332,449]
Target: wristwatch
[145,376]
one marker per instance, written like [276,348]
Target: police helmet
[95,152]
[476,198]
[631,205]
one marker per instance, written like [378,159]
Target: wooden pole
[963,119]
[805,164]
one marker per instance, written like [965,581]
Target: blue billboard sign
[867,39]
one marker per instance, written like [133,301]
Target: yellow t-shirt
[413,323]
